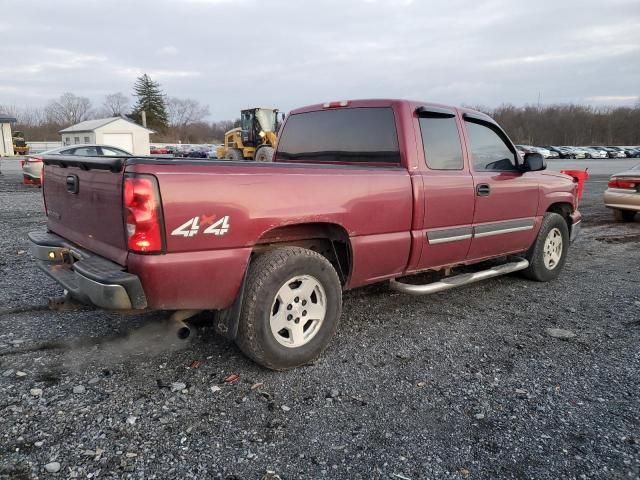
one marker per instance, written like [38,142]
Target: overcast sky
[231,54]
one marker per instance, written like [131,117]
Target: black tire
[268,273]
[234,154]
[264,154]
[624,215]
[538,269]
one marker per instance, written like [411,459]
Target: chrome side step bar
[458,280]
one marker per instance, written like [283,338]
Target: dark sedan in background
[32,164]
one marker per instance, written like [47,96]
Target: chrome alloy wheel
[298,311]
[552,249]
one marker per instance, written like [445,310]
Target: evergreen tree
[152,101]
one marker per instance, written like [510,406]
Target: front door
[506,199]
[448,190]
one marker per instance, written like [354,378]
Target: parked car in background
[545,152]
[560,152]
[576,152]
[632,152]
[32,164]
[155,150]
[623,194]
[172,150]
[211,152]
[554,152]
[612,152]
[522,150]
[594,152]
[197,152]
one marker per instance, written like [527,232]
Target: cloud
[135,72]
[611,99]
[295,53]
[168,50]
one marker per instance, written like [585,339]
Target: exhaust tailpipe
[177,325]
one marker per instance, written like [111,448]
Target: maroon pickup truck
[359,192]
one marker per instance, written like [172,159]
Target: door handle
[483,190]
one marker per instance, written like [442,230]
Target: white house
[115,131]
[6,141]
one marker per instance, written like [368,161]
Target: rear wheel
[264,154]
[291,308]
[234,154]
[624,215]
[548,254]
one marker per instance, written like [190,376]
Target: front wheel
[264,154]
[291,308]
[548,254]
[234,154]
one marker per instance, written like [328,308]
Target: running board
[459,280]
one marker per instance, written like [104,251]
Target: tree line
[173,119]
[185,120]
[580,125]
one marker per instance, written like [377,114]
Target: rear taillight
[628,183]
[44,200]
[142,214]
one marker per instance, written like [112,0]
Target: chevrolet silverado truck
[359,192]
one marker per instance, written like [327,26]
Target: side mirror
[534,162]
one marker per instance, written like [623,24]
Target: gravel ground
[462,384]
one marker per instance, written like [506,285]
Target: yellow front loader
[256,137]
[20,146]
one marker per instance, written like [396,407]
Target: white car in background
[546,153]
[595,152]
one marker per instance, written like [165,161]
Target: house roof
[90,125]
[7,119]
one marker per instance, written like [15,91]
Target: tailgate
[83,198]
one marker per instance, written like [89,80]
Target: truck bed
[261,202]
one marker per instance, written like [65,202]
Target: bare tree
[10,110]
[185,111]
[116,105]
[68,109]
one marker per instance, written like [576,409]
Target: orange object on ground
[579,176]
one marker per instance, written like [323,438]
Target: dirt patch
[630,238]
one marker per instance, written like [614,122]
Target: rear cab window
[341,135]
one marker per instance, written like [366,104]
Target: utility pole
[143,114]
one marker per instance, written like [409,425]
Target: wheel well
[563,209]
[328,239]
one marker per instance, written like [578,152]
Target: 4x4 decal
[192,226]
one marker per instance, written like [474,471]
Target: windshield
[266,119]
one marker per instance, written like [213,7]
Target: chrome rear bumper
[88,278]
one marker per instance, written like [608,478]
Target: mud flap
[226,321]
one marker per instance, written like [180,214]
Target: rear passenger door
[448,189]
[506,199]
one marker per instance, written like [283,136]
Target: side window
[441,143]
[113,152]
[86,151]
[76,140]
[86,139]
[488,150]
